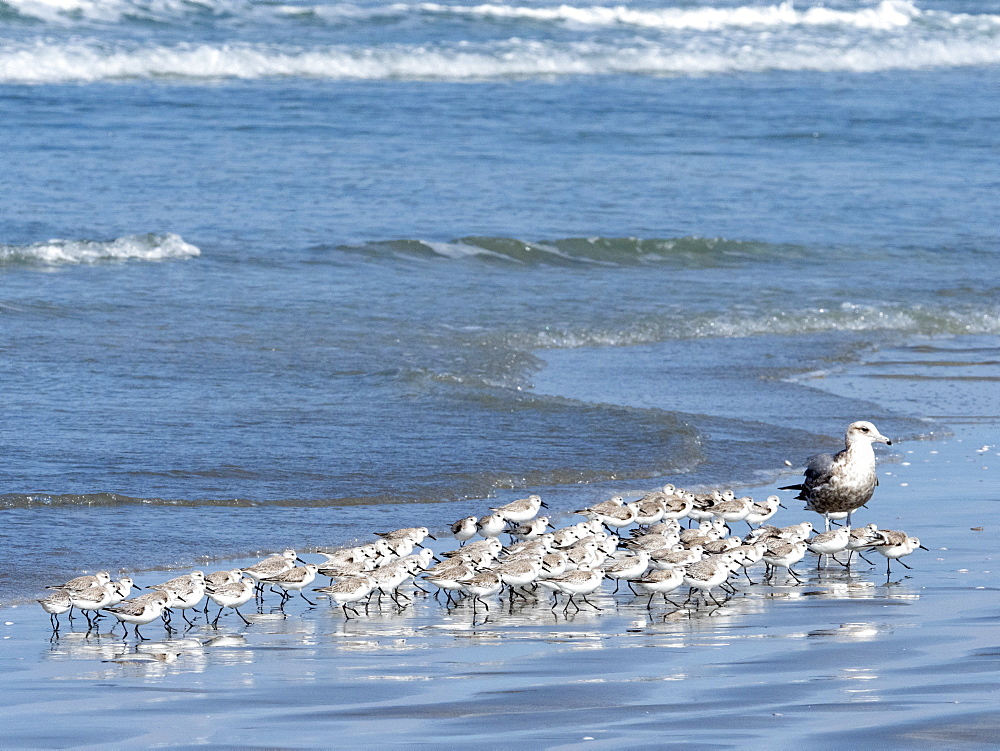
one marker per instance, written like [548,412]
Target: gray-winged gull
[840,483]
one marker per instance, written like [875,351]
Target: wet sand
[848,659]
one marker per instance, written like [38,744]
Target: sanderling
[271,566]
[55,605]
[484,584]
[676,556]
[141,610]
[521,510]
[530,529]
[580,582]
[519,573]
[491,525]
[389,578]
[465,529]
[762,511]
[629,567]
[796,532]
[186,593]
[120,590]
[735,510]
[661,582]
[709,573]
[294,579]
[894,544]
[447,576]
[648,510]
[829,543]
[232,595]
[85,582]
[348,590]
[92,598]
[782,554]
[417,534]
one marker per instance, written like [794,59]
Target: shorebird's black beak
[431,536]
[923,548]
[544,504]
[299,559]
[781,505]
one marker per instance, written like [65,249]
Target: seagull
[842,482]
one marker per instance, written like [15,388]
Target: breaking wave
[886,15]
[88,61]
[130,248]
[593,251]
[915,320]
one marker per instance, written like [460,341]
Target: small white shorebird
[894,544]
[579,582]
[271,566]
[829,543]
[120,590]
[628,568]
[660,582]
[492,525]
[841,483]
[294,579]
[187,592]
[711,572]
[92,598]
[416,534]
[521,510]
[531,529]
[232,595]
[347,590]
[55,605]
[83,582]
[141,610]
[465,529]
[484,584]
[783,554]
[762,511]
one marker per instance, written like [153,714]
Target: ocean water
[275,274]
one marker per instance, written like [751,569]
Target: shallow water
[908,660]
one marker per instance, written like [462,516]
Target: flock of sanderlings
[641,545]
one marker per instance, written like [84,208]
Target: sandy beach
[847,659]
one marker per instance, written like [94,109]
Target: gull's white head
[862,430]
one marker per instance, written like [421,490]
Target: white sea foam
[132,247]
[46,61]
[911,320]
[886,15]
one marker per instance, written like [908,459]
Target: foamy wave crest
[922,320]
[133,247]
[52,62]
[888,14]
